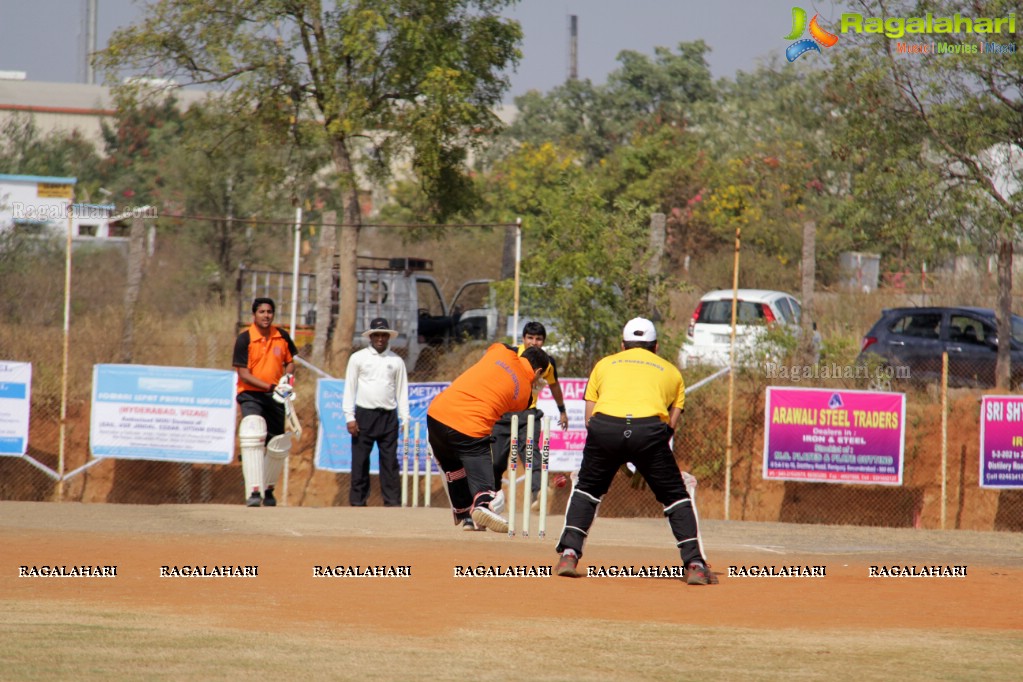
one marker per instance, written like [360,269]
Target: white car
[709,334]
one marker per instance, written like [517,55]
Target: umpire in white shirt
[376,397]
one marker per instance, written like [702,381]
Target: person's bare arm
[248,377]
[559,400]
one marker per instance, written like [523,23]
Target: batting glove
[284,390]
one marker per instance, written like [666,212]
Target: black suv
[913,339]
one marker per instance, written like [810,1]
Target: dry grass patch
[42,641]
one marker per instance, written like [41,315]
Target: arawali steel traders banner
[1001,441]
[170,414]
[828,436]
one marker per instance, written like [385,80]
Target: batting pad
[251,437]
[277,451]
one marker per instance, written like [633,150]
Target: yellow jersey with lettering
[636,383]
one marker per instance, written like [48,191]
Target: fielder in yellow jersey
[634,400]
[635,382]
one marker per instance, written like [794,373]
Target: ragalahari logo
[818,36]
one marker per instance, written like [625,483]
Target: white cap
[639,329]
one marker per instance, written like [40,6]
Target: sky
[45,37]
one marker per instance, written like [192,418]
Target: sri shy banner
[828,436]
[1001,441]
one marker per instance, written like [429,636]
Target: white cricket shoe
[486,518]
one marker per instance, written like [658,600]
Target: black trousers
[380,427]
[263,405]
[644,441]
[500,445]
[467,466]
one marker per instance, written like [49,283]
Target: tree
[231,170]
[664,168]
[584,266]
[770,137]
[383,78]
[643,93]
[968,111]
[137,143]
[24,150]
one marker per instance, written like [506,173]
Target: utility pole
[90,40]
[573,47]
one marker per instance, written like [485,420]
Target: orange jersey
[500,382]
[265,357]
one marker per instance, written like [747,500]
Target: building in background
[38,206]
[67,107]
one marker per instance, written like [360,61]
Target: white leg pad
[276,457]
[251,439]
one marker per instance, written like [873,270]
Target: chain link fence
[180,333]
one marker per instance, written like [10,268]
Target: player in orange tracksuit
[461,417]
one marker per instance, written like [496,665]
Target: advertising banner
[172,414]
[334,444]
[1001,441]
[15,402]
[829,436]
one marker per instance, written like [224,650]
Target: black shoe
[254,500]
[268,498]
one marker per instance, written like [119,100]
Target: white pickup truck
[399,289]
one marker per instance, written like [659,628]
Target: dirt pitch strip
[285,622]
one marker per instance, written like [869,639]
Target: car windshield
[1017,329]
[720,312]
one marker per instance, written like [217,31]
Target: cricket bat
[291,419]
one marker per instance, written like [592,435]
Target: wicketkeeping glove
[284,389]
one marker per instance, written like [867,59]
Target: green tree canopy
[384,79]
[643,91]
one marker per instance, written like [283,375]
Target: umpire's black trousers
[378,426]
[643,441]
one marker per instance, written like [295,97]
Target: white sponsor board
[172,414]
[15,400]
